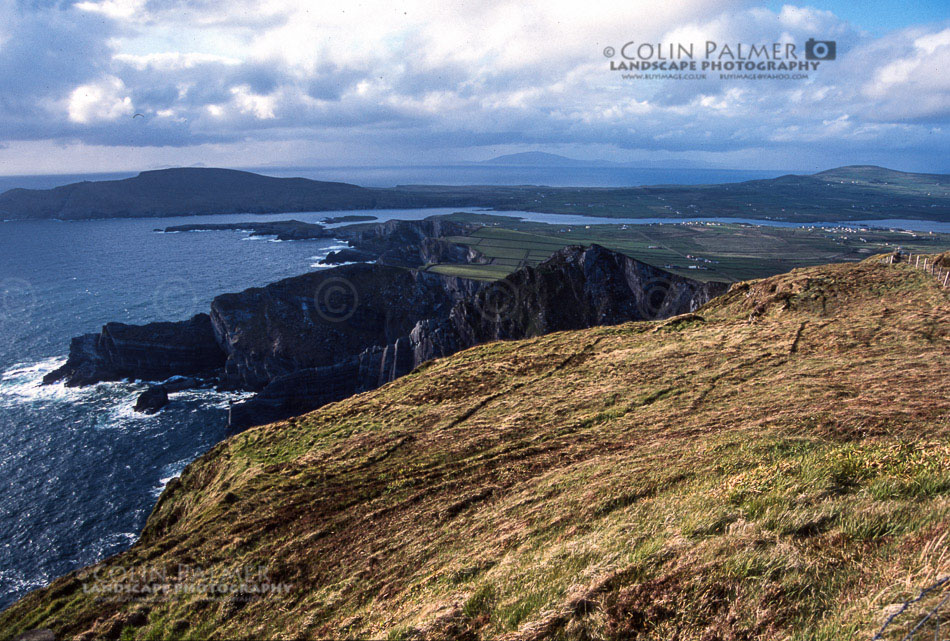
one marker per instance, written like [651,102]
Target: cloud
[101,101]
[430,75]
[911,82]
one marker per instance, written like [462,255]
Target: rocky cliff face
[405,243]
[317,338]
[412,243]
[325,318]
[576,288]
[152,352]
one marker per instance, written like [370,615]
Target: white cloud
[434,74]
[173,61]
[261,107]
[912,82]
[101,101]
[116,9]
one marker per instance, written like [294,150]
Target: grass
[694,480]
[737,251]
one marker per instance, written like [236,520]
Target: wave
[23,383]
[322,266]
[113,402]
[169,472]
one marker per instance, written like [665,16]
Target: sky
[123,85]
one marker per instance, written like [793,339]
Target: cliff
[775,465]
[302,348]
[407,243]
[282,229]
[155,351]
[309,340]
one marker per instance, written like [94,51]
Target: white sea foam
[23,383]
[109,541]
[322,266]
[209,398]
[15,581]
[113,402]
[169,472]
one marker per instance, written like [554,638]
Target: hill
[775,466]
[544,159]
[195,190]
[873,174]
[849,193]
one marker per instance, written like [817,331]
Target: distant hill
[846,193]
[544,159]
[873,174]
[193,190]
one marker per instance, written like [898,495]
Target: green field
[704,251]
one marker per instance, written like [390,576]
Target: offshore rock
[152,400]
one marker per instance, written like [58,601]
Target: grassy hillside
[777,467]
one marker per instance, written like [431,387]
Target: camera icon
[820,49]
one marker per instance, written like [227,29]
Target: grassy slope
[779,470]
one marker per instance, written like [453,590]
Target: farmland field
[703,250]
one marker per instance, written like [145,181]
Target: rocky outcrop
[304,390]
[411,243]
[154,351]
[325,318]
[348,218]
[576,288]
[317,338]
[404,243]
[152,400]
[348,256]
